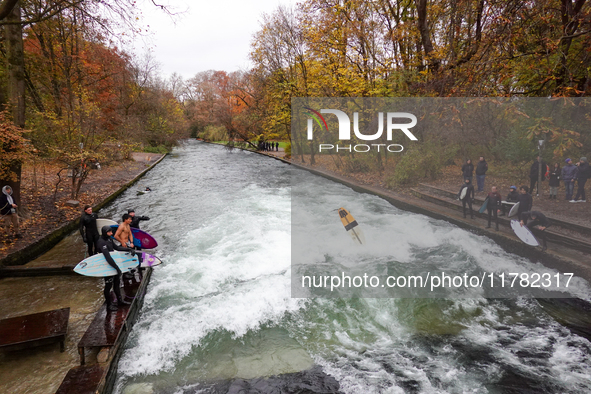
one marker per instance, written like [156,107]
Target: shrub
[162,149]
[420,163]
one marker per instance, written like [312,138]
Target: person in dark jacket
[537,219]
[468,170]
[135,220]
[533,173]
[513,197]
[481,169]
[583,173]
[88,229]
[568,176]
[554,180]
[8,209]
[525,200]
[106,245]
[493,206]
[468,198]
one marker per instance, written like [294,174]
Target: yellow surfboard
[351,226]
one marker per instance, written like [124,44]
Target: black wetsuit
[468,198]
[525,203]
[89,232]
[540,220]
[135,221]
[533,174]
[105,245]
[494,204]
[513,196]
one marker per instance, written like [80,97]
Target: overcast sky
[209,35]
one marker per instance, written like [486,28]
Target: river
[218,315]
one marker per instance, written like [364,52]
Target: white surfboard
[104,222]
[97,265]
[523,233]
[514,210]
[463,193]
[149,260]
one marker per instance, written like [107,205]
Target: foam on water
[220,306]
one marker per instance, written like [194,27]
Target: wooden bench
[107,327]
[38,329]
[104,330]
[82,380]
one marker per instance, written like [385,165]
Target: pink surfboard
[141,239]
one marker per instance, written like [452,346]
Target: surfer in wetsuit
[525,201]
[537,219]
[106,245]
[493,206]
[468,198]
[513,196]
[135,220]
[88,229]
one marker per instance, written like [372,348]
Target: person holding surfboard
[88,229]
[537,219]
[135,220]
[106,245]
[466,196]
[123,233]
[512,198]
[494,206]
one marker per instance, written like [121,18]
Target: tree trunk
[16,85]
[425,35]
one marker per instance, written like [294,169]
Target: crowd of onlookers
[268,146]
[570,174]
[495,205]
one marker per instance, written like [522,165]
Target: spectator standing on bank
[468,170]
[554,180]
[8,209]
[493,206]
[481,169]
[534,173]
[583,173]
[568,175]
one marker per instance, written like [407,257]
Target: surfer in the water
[537,219]
[123,233]
[106,245]
[88,229]
[135,220]
[468,197]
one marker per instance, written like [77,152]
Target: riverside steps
[569,235]
[103,343]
